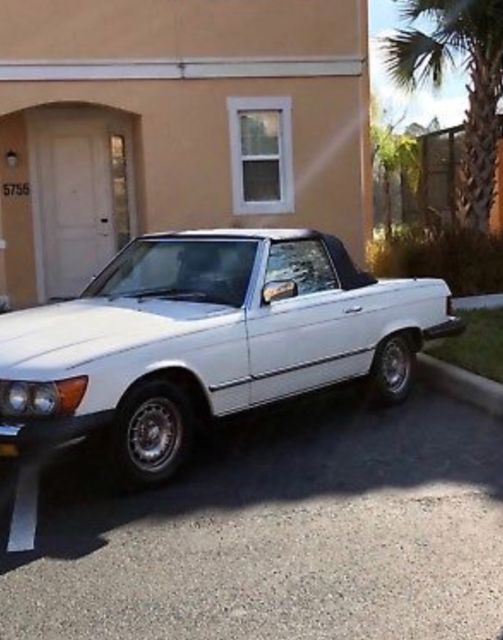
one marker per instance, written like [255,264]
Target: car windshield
[213,271]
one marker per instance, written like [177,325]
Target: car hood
[67,334]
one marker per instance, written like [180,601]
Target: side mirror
[279,290]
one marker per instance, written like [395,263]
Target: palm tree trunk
[477,188]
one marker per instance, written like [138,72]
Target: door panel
[303,343]
[308,341]
[75,202]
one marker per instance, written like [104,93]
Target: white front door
[77,236]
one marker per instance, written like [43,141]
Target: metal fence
[435,200]
[440,160]
[441,153]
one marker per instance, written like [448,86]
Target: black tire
[394,370]
[152,435]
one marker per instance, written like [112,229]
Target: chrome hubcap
[396,366]
[154,434]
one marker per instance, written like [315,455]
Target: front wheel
[152,435]
[393,371]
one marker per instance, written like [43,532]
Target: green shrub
[469,261]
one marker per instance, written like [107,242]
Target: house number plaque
[12,189]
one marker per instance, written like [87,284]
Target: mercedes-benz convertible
[182,328]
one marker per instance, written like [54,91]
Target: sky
[448,105]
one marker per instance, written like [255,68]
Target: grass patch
[480,349]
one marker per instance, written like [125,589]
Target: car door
[307,341]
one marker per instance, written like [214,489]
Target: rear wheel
[394,368]
[153,434]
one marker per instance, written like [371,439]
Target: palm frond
[461,22]
[413,9]
[414,57]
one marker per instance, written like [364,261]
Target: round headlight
[18,397]
[45,399]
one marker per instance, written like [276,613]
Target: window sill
[264,209]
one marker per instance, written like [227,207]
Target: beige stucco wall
[365,142]
[326,130]
[181,128]
[3,277]
[17,229]
[180,28]
[183,156]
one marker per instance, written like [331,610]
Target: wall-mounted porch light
[12,159]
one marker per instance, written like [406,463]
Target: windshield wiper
[140,294]
[169,294]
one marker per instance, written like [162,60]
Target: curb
[461,384]
[479,302]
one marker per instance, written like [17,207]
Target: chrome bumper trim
[9,431]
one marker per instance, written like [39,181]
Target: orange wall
[497,213]
[3,277]
[17,215]
[180,28]
[191,186]
[183,155]
[365,142]
[181,128]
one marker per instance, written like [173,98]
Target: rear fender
[403,325]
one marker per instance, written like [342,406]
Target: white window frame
[287,203]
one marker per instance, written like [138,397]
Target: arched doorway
[83,198]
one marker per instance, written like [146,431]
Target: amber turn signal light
[70,394]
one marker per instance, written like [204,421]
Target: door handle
[353,310]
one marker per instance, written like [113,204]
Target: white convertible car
[184,327]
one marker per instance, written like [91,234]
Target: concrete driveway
[323,519]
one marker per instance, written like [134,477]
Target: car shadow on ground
[330,444]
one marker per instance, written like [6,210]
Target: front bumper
[17,434]
[450,329]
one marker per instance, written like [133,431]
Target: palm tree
[393,154]
[473,31]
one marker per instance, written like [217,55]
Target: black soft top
[275,235]
[350,276]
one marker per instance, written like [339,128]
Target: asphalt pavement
[323,518]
